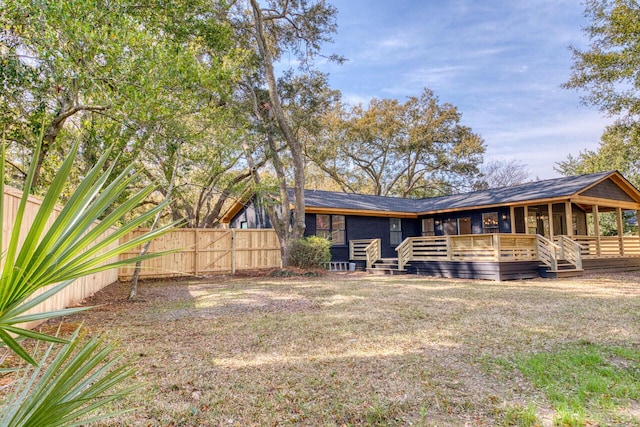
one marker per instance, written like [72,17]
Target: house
[549,228]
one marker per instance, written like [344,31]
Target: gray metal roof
[547,189]
[550,188]
[331,199]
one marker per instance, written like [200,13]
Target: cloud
[501,63]
[354,99]
[542,145]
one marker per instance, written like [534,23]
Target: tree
[141,76]
[502,173]
[609,70]
[298,27]
[619,150]
[415,149]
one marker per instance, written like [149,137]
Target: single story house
[549,228]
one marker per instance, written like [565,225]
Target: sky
[500,62]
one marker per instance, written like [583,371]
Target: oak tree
[417,148]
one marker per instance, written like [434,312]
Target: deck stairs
[564,269]
[386,266]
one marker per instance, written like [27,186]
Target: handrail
[357,249]
[405,252]
[571,251]
[373,251]
[547,252]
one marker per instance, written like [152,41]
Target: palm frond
[68,385]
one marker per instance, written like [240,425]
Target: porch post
[526,220]
[620,231]
[568,211]
[495,238]
[596,228]
[512,212]
[550,212]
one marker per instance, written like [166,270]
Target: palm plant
[80,377]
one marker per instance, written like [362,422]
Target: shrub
[309,252]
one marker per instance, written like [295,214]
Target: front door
[464,225]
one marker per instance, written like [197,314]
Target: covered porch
[598,226]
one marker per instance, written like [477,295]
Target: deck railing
[470,247]
[358,249]
[608,246]
[501,247]
[548,252]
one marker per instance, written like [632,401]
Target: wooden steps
[565,269]
[386,266]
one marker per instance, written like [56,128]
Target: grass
[359,350]
[582,379]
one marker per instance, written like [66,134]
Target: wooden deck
[505,256]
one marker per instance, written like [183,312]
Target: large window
[331,227]
[395,231]
[490,222]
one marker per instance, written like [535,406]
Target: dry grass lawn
[356,349]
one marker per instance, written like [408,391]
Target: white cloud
[354,99]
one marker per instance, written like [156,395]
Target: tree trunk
[285,233]
[68,107]
[133,292]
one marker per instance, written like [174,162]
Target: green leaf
[80,378]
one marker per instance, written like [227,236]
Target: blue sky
[500,62]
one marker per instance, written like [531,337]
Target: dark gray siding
[366,227]
[254,215]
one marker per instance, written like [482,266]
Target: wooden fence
[199,252]
[79,289]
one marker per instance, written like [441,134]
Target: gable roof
[547,190]
[319,201]
[353,201]
[538,190]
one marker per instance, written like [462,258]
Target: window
[450,226]
[338,230]
[331,227]
[490,222]
[395,231]
[244,225]
[428,227]
[323,226]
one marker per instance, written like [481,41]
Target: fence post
[196,242]
[496,246]
[233,251]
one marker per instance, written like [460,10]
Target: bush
[309,252]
